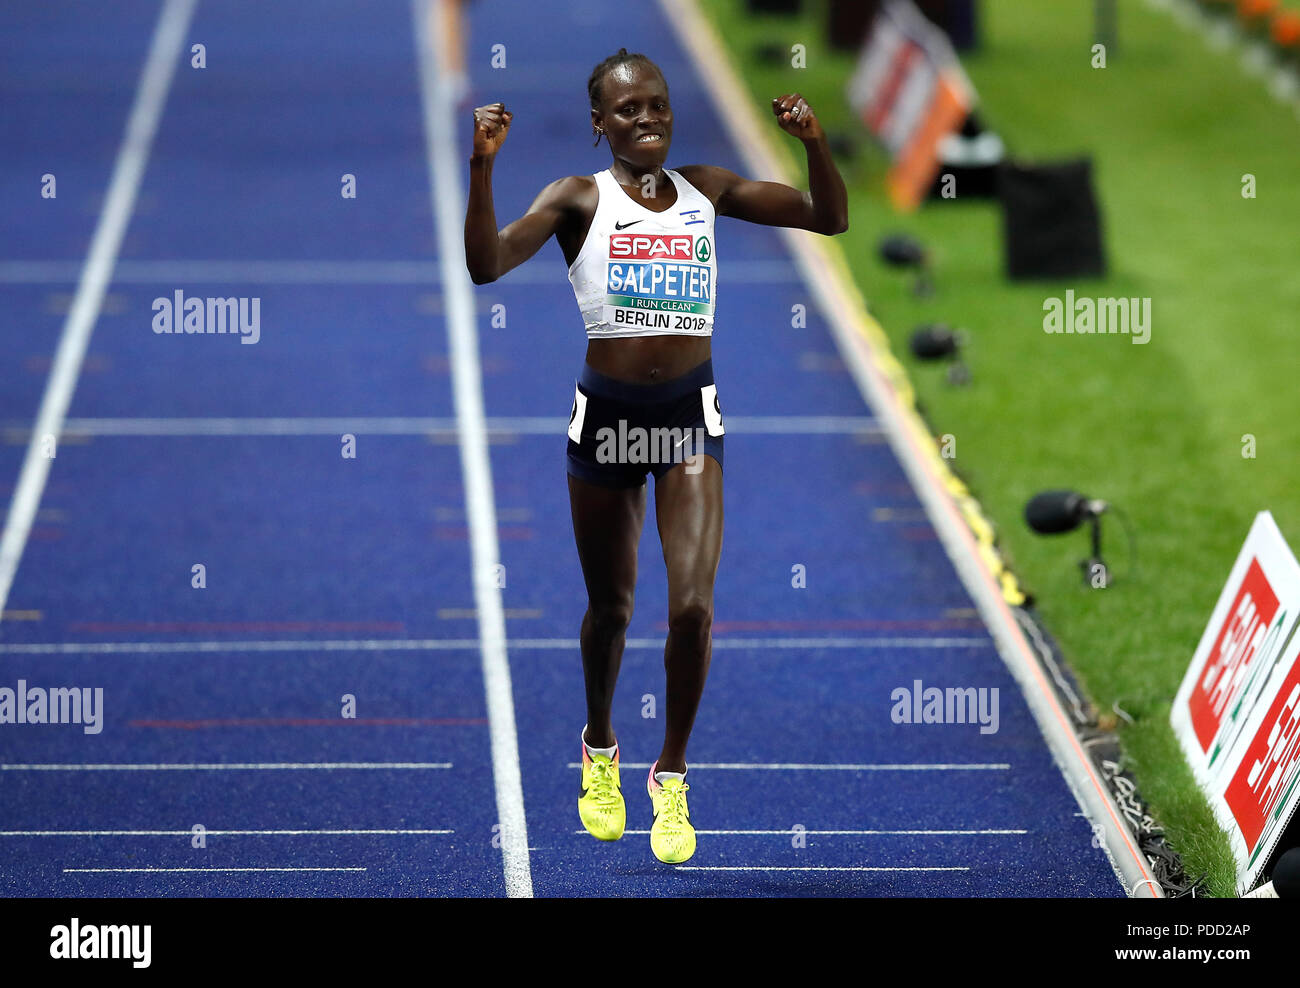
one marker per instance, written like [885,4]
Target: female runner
[639,241]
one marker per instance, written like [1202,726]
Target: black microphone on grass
[1055,512]
[901,251]
[935,341]
[1285,883]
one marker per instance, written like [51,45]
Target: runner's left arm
[823,209]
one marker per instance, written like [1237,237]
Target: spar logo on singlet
[661,281]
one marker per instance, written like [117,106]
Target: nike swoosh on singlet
[624,226]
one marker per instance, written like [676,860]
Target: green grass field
[1172,127]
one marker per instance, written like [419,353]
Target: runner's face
[635,103]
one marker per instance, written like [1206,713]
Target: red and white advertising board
[1237,713]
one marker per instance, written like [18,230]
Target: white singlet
[642,273]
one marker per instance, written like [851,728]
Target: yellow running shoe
[601,805]
[672,837]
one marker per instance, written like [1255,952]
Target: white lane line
[461,644]
[444,156]
[151,96]
[218,766]
[226,833]
[824,868]
[833,833]
[247,272]
[806,424]
[119,871]
[391,426]
[809,767]
[165,648]
[538,425]
[323,272]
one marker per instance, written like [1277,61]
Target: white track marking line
[416,426]
[246,272]
[910,440]
[228,833]
[119,871]
[219,766]
[322,272]
[831,833]
[460,644]
[812,767]
[393,426]
[823,868]
[805,424]
[165,648]
[444,156]
[151,96]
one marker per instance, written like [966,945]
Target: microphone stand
[1088,565]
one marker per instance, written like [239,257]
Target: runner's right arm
[488,253]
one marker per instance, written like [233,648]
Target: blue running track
[329,576]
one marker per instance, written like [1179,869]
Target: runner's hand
[491,124]
[796,117]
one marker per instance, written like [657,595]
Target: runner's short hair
[623,57]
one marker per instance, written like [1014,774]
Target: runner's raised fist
[491,124]
[796,117]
